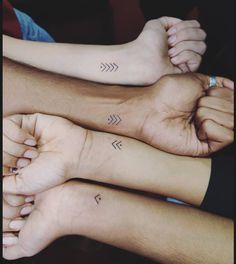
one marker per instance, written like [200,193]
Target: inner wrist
[75,209]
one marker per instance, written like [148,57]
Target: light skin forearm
[158,230]
[132,164]
[105,64]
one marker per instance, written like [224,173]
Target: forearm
[132,164]
[105,64]
[158,230]
[89,104]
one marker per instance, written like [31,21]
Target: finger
[217,104]
[221,81]
[9,239]
[8,171]
[221,118]
[11,248]
[195,46]
[184,67]
[183,25]
[14,200]
[224,93]
[12,212]
[216,135]
[196,34]
[13,225]
[12,162]
[19,150]
[168,22]
[12,129]
[192,59]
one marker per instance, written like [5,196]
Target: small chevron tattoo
[117,145]
[114,120]
[109,67]
[98,198]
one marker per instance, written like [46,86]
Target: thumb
[168,22]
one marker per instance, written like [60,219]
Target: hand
[15,207]
[46,223]
[184,54]
[215,116]
[178,104]
[187,42]
[59,143]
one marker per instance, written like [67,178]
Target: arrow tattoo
[114,120]
[98,198]
[109,67]
[117,144]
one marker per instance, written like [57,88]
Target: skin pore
[140,62]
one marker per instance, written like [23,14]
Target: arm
[97,156]
[144,114]
[158,230]
[140,62]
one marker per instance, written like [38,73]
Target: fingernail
[31,154]
[16,224]
[21,163]
[172,51]
[26,210]
[9,241]
[172,39]
[30,142]
[171,31]
[29,199]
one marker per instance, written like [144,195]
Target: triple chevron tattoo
[114,120]
[109,67]
[117,145]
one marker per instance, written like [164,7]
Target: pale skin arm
[140,62]
[75,152]
[132,164]
[164,232]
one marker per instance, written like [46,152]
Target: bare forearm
[132,164]
[28,90]
[105,64]
[158,230]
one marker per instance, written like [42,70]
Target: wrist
[76,200]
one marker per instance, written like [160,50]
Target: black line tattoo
[114,120]
[109,67]
[117,144]
[98,198]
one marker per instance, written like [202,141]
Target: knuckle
[201,111]
[196,23]
[205,124]
[229,137]
[202,102]
[203,47]
[203,34]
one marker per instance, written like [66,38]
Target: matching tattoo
[114,120]
[98,198]
[109,67]
[117,145]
